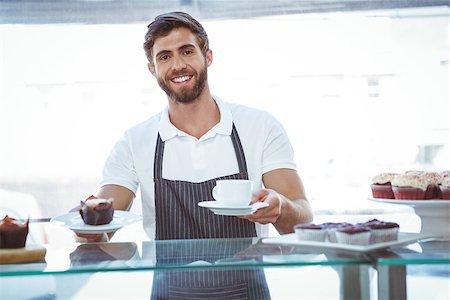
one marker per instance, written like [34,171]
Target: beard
[185,94]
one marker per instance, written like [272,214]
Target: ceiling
[133,11]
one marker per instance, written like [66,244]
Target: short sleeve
[119,167]
[278,152]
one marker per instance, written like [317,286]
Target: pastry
[382,231]
[311,232]
[96,211]
[13,234]
[355,235]
[409,187]
[381,186]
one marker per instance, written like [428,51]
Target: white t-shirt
[130,164]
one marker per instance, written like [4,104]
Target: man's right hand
[91,238]
[123,198]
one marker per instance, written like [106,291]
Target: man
[177,155]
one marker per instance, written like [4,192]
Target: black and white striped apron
[178,216]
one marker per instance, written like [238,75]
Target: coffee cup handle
[214,193]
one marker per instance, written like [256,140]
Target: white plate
[415,203]
[74,222]
[403,239]
[219,209]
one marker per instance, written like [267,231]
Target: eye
[164,57]
[188,52]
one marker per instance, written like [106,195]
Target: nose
[178,63]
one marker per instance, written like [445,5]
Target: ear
[209,57]
[151,68]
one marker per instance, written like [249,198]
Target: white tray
[403,239]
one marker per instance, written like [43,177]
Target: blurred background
[361,87]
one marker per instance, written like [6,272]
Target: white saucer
[220,209]
[233,212]
[220,206]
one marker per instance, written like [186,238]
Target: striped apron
[178,216]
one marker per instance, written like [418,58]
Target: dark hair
[165,23]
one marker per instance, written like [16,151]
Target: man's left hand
[269,214]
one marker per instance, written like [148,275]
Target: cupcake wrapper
[383,235]
[408,193]
[316,235]
[382,191]
[430,192]
[331,235]
[445,192]
[361,238]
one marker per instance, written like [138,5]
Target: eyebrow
[183,47]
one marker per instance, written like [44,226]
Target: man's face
[180,66]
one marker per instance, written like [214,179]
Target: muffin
[332,228]
[13,234]
[381,186]
[96,211]
[355,235]
[311,232]
[409,187]
[433,179]
[445,188]
[382,231]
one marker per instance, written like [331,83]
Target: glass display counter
[244,268]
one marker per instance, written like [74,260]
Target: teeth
[181,79]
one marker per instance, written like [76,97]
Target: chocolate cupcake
[311,232]
[409,187]
[95,211]
[355,235]
[381,185]
[332,227]
[382,231]
[445,188]
[433,179]
[13,234]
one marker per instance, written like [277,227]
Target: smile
[181,79]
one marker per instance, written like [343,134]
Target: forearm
[293,212]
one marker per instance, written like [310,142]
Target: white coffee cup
[236,192]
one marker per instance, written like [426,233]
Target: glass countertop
[424,253]
[213,253]
[175,255]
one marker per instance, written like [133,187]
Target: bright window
[358,91]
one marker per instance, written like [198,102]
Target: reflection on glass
[198,283]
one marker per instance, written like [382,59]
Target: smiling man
[176,156]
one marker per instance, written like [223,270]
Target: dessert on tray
[95,211]
[381,185]
[311,232]
[410,185]
[445,188]
[381,231]
[355,235]
[13,234]
[371,232]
